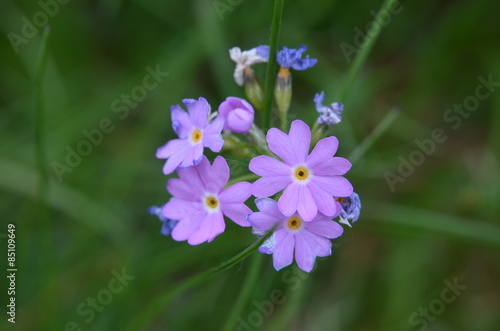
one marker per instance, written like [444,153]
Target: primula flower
[293,236]
[329,115]
[292,58]
[239,114]
[311,181]
[194,133]
[168,224]
[245,59]
[351,207]
[200,201]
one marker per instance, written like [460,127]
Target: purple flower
[311,181]
[194,133]
[292,58]
[168,224]
[200,201]
[329,115]
[293,236]
[351,208]
[239,114]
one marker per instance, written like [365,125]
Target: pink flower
[310,181]
[194,133]
[293,236]
[200,201]
[239,114]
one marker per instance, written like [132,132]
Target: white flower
[245,59]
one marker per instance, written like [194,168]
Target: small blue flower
[328,115]
[292,58]
[351,208]
[168,224]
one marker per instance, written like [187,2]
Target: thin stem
[271,65]
[153,309]
[248,286]
[366,46]
[382,126]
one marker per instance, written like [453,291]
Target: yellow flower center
[196,135]
[294,223]
[301,173]
[340,200]
[211,202]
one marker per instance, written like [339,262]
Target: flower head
[194,133]
[246,59]
[311,181]
[168,224]
[351,207]
[239,114]
[292,58]
[329,115]
[200,201]
[293,236]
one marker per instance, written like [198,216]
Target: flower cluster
[299,191]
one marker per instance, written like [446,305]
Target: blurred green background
[438,225]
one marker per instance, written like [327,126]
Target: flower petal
[324,201]
[212,137]
[300,139]
[336,186]
[237,212]
[177,209]
[324,150]
[267,186]
[236,193]
[289,200]
[279,144]
[264,165]
[216,176]
[198,111]
[325,228]
[175,151]
[268,216]
[180,189]
[333,166]
[306,206]
[211,226]
[181,122]
[307,247]
[270,207]
[187,226]
[283,251]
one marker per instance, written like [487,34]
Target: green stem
[366,46]
[382,126]
[271,65]
[153,309]
[248,286]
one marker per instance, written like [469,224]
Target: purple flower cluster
[308,185]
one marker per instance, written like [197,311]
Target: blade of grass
[248,286]
[271,64]
[47,248]
[382,126]
[365,48]
[423,220]
[146,316]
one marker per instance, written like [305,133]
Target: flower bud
[239,114]
[253,89]
[283,92]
